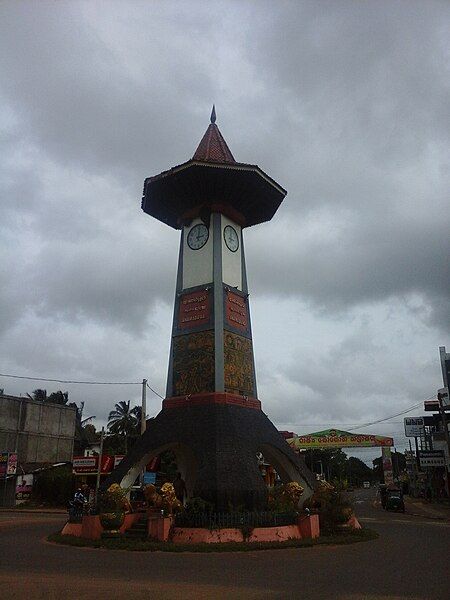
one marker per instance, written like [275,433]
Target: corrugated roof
[213,148]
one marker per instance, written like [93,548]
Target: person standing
[180,487]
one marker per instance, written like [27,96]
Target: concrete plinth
[309,526]
[159,528]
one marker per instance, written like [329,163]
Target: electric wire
[72,381]
[47,379]
[356,426]
[155,392]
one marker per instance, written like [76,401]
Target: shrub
[332,506]
[196,506]
[284,498]
[54,486]
[114,500]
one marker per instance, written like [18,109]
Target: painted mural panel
[238,364]
[193,363]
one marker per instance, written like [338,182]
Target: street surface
[409,560]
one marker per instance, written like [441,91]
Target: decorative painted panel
[238,364]
[193,363]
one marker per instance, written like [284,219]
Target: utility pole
[143,419]
[99,469]
[447,438]
[144,406]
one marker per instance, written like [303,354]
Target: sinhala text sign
[334,438]
[413,426]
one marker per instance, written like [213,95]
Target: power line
[355,426]
[72,381]
[81,382]
[403,412]
[155,392]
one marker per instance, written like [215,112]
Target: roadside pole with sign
[3,472]
[414,427]
[441,397]
[99,470]
[8,466]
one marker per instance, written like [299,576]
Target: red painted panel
[236,311]
[194,309]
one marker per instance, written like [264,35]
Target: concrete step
[138,529]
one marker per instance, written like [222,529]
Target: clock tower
[211,416]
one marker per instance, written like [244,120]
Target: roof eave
[217,165]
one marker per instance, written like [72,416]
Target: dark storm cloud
[346,104]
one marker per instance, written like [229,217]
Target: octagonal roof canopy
[212,181]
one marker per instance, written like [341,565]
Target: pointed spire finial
[213,114]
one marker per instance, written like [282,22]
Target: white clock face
[198,236]
[231,238]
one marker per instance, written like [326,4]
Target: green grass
[122,543]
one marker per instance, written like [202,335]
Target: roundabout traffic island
[167,525]
[148,545]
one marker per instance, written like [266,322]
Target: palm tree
[40,395]
[123,421]
[58,397]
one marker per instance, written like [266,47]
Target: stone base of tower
[216,445]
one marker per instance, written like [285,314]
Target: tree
[358,471]
[332,462]
[58,397]
[124,421]
[40,395]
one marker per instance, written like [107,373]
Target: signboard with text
[8,463]
[388,471]
[11,468]
[431,458]
[194,309]
[89,464]
[444,396]
[334,438]
[236,311]
[3,463]
[414,426]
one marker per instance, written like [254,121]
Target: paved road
[409,560]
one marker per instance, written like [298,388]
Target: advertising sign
[445,365]
[334,438]
[444,396]
[89,465]
[12,464]
[388,471]
[23,492]
[3,463]
[431,458]
[414,426]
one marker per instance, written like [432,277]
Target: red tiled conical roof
[212,147]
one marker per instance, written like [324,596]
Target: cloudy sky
[345,104]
